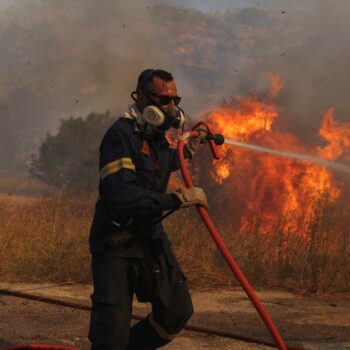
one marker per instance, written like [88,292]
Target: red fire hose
[38,347]
[219,241]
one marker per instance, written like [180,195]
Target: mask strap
[183,124]
[133,96]
[180,109]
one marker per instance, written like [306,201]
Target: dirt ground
[313,322]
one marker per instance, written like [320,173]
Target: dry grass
[19,186]
[312,256]
[46,239]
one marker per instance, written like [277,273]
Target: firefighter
[131,253]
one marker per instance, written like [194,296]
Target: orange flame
[268,186]
[252,115]
[338,136]
[276,85]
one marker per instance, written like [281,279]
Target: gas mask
[174,117]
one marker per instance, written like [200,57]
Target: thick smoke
[62,58]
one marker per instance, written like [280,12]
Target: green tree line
[69,158]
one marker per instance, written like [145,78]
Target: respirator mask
[173,117]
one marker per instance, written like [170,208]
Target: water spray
[291,155]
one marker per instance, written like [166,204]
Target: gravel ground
[313,322]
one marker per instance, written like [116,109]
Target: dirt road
[313,322]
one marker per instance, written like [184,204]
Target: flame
[276,85]
[222,171]
[337,135]
[269,187]
[252,115]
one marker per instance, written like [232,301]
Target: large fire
[271,187]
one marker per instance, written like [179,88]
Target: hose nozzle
[217,138]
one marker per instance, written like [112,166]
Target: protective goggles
[164,99]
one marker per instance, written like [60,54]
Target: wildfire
[337,135]
[267,186]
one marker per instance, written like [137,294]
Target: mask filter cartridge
[156,117]
[153,116]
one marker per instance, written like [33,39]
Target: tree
[70,158]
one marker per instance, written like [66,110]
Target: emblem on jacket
[145,148]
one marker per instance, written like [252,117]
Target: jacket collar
[133,113]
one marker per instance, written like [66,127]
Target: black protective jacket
[134,174]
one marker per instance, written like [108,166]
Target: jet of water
[316,160]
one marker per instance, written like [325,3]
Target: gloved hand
[194,142]
[191,197]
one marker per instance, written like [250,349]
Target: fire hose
[74,305]
[213,140]
[38,347]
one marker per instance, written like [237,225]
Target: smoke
[67,58]
[61,58]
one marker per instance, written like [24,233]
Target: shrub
[69,159]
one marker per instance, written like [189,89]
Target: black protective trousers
[112,307]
